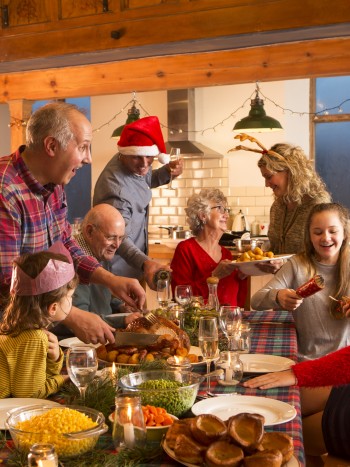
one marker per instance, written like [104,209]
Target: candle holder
[129,428]
[42,455]
[233,368]
[111,373]
[179,363]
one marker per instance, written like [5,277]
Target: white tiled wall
[168,206]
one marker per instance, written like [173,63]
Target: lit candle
[228,370]
[47,463]
[129,436]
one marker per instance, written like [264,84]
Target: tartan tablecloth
[272,333]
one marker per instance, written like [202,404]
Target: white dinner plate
[293,462]
[251,268]
[224,407]
[73,341]
[261,363]
[16,403]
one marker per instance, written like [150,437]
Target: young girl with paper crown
[41,294]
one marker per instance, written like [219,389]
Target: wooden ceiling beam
[307,59]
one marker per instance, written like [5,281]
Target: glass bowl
[68,443]
[174,391]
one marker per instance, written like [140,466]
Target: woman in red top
[201,256]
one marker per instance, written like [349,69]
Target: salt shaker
[42,455]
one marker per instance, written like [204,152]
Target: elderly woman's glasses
[222,209]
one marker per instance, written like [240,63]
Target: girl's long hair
[308,257]
[31,311]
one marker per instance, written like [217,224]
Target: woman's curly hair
[30,311]
[303,180]
[199,203]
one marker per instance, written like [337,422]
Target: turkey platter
[171,341]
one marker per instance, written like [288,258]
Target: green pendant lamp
[257,120]
[133,115]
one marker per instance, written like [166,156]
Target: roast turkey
[166,329]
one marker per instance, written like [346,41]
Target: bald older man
[102,232]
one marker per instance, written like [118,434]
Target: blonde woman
[296,187]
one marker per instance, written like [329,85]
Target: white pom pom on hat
[143,138]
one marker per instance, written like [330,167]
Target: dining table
[272,333]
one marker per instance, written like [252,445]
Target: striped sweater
[25,369]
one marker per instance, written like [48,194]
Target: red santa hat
[143,138]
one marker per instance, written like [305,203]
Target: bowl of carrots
[157,421]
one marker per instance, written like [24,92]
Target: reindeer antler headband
[55,274]
[263,150]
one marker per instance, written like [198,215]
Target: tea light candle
[129,436]
[47,463]
[179,363]
[228,369]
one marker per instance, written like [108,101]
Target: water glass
[230,319]
[82,365]
[183,294]
[163,293]
[244,338]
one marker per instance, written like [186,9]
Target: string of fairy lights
[339,107]
[135,101]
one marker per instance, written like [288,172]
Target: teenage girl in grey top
[322,324]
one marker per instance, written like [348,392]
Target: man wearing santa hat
[126,183]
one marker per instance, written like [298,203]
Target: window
[332,135]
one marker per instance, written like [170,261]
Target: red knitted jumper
[331,370]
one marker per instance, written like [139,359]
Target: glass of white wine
[208,340]
[174,156]
[82,365]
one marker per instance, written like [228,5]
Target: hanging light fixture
[133,115]
[257,119]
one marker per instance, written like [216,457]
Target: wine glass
[208,340]
[183,294]
[230,319]
[174,156]
[82,365]
[163,293]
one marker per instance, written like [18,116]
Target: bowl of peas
[174,391]
[72,430]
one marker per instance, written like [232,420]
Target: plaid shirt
[32,218]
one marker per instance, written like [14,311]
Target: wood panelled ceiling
[245,41]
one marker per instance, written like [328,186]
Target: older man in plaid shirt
[33,208]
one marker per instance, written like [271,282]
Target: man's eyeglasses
[222,209]
[110,238]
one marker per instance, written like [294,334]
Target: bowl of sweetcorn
[72,430]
